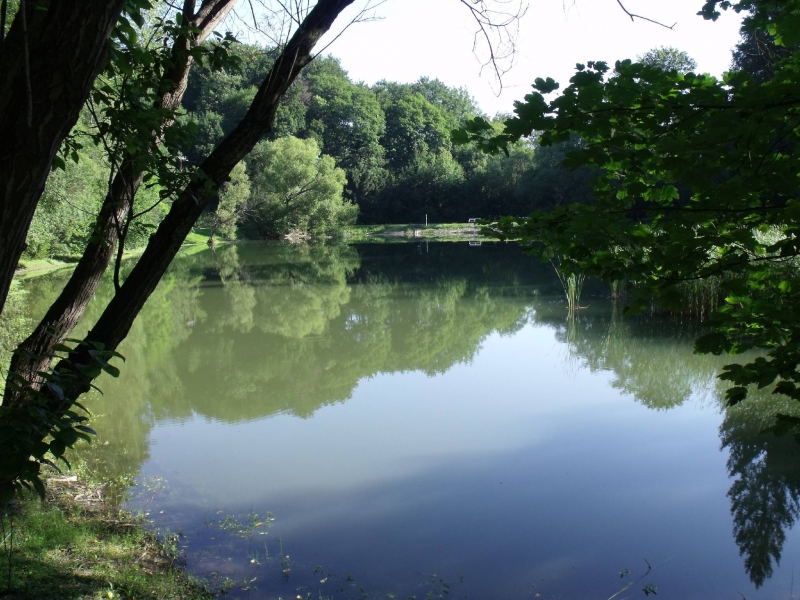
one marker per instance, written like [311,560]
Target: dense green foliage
[234,197]
[295,189]
[390,141]
[123,126]
[698,181]
[73,196]
[669,59]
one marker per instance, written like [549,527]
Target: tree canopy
[50,59]
[669,59]
[697,181]
[296,189]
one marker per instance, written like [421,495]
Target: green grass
[29,268]
[74,545]
[196,238]
[40,266]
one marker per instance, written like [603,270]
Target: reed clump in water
[573,288]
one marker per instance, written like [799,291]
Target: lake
[428,420]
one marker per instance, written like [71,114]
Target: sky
[434,38]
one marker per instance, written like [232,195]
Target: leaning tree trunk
[116,320]
[76,373]
[48,62]
[34,354]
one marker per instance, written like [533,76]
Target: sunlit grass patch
[75,545]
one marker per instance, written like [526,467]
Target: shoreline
[29,269]
[446,232]
[78,542]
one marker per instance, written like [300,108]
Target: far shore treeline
[341,152]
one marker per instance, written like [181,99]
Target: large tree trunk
[116,320]
[34,354]
[48,62]
[118,316]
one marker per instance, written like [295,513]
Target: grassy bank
[78,544]
[29,268]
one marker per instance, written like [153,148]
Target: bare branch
[275,21]
[634,17]
[361,17]
[497,29]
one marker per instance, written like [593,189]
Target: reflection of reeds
[572,356]
[616,334]
[619,290]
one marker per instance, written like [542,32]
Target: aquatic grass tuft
[573,287]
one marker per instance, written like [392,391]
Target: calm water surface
[403,420]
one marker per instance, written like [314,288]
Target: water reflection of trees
[307,332]
[15,320]
[243,332]
[124,414]
[649,358]
[652,361]
[765,496]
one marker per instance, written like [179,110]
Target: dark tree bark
[33,355]
[48,62]
[118,316]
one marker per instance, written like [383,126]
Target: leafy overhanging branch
[77,371]
[696,180]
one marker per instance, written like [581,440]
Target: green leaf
[111,370]
[546,86]
[735,395]
[57,448]
[784,424]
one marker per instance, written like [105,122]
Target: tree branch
[498,28]
[634,17]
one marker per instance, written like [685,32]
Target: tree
[456,104]
[348,122]
[697,182]
[48,63]
[41,408]
[669,59]
[548,183]
[757,53]
[414,126]
[232,205]
[431,184]
[217,98]
[35,413]
[137,151]
[297,189]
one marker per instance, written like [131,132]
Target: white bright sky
[433,38]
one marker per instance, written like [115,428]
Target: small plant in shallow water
[573,287]
[245,525]
[649,588]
